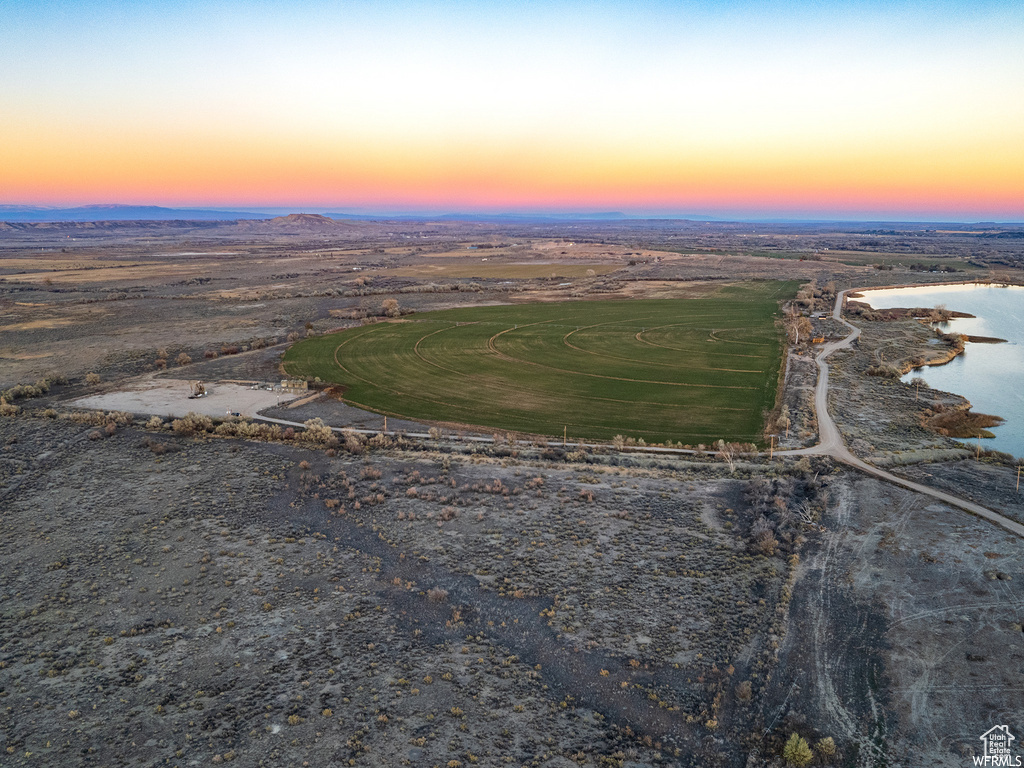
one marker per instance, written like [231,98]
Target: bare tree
[726,454]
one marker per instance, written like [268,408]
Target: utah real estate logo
[996,748]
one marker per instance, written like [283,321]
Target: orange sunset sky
[858,109]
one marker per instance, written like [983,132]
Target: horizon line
[595,214]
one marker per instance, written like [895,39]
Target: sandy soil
[196,601]
[169,397]
[905,639]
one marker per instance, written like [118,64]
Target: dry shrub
[885,370]
[192,423]
[99,418]
[826,747]
[960,423]
[158,448]
[317,432]
[437,594]
[92,378]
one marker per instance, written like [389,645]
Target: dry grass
[508,270]
[960,423]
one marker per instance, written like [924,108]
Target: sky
[815,109]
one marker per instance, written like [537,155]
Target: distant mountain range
[29,213]
[122,213]
[119,213]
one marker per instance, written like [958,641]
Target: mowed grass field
[689,371]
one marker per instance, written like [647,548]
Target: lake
[991,376]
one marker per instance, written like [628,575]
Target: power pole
[565,432]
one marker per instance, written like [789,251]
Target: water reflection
[991,376]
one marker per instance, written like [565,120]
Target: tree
[183,359]
[800,328]
[390,307]
[797,751]
[725,453]
[784,419]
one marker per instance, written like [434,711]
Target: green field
[690,371]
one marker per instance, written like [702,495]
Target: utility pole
[385,424]
[771,447]
[1018,477]
[565,432]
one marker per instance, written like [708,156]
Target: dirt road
[830,441]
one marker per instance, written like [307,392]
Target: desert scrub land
[175,601]
[882,418]
[689,371]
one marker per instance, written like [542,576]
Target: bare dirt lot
[170,398]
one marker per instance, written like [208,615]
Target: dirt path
[831,440]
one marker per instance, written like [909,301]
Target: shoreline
[852,292]
[953,352]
